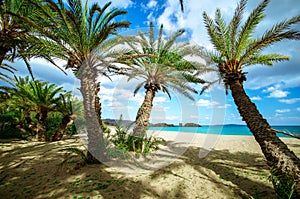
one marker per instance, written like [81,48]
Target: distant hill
[162,125]
[192,125]
[114,122]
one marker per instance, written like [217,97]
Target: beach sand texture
[190,166]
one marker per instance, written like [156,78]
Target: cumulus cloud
[151,3]
[206,103]
[224,106]
[282,110]
[290,101]
[298,109]
[275,91]
[278,94]
[255,98]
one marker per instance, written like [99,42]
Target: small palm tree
[80,35]
[35,96]
[160,65]
[235,49]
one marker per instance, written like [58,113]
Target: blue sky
[275,90]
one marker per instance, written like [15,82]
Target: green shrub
[284,184]
[8,122]
[122,142]
[52,123]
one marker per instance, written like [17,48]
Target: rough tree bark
[143,114]
[65,123]
[276,152]
[96,148]
[41,127]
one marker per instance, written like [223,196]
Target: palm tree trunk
[143,114]
[41,127]
[65,123]
[96,148]
[276,152]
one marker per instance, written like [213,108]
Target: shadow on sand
[30,170]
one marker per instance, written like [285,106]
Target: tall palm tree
[35,96]
[80,35]
[235,49]
[160,66]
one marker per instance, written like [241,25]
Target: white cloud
[283,110]
[257,98]
[224,106]
[173,18]
[298,109]
[276,91]
[278,94]
[151,4]
[290,101]
[206,103]
[270,89]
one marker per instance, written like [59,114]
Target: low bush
[122,142]
[284,185]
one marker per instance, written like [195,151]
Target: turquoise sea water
[226,129]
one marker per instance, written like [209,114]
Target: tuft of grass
[284,184]
[122,142]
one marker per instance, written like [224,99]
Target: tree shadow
[35,174]
[31,171]
[246,174]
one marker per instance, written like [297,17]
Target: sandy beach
[189,166]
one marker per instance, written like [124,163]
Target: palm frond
[212,32]
[235,23]
[138,87]
[255,17]
[223,34]
[265,59]
[277,33]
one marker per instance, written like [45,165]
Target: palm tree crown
[75,31]
[161,63]
[236,49]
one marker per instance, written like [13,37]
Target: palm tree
[80,35]
[235,49]
[35,96]
[160,65]
[13,33]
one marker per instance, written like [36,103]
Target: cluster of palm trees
[83,37]
[35,101]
